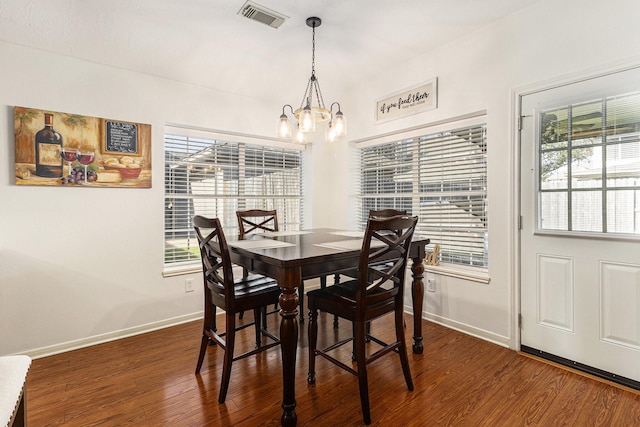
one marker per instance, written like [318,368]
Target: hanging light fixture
[307,114]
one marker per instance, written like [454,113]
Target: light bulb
[284,127]
[306,120]
[340,124]
[331,135]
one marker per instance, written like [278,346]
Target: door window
[589,166]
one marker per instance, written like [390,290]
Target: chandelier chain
[319,94]
[313,52]
[306,96]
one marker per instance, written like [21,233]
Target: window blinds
[442,178]
[216,178]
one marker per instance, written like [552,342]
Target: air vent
[262,14]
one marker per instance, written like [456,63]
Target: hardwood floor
[148,380]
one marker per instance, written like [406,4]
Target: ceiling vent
[262,14]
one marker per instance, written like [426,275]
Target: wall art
[63,149]
[408,101]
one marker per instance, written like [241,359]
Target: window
[442,178]
[214,178]
[589,164]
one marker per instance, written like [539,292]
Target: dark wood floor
[149,380]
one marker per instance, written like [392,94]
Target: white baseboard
[462,327]
[111,336]
[149,327]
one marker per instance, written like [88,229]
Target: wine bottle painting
[62,149]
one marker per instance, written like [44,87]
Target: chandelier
[308,114]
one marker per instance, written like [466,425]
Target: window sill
[474,275]
[178,270]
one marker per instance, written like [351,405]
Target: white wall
[546,42]
[82,264]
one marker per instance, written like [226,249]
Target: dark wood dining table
[293,256]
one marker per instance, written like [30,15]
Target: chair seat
[248,291]
[340,300]
[254,284]
[345,291]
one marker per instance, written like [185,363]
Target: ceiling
[207,43]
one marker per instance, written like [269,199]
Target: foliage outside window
[213,178]
[442,178]
[589,167]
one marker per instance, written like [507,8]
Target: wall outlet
[188,286]
[431,285]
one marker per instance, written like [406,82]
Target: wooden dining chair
[256,220]
[378,291]
[259,220]
[382,213]
[253,292]
[378,214]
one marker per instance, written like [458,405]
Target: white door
[580,232]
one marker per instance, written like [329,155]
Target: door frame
[516,173]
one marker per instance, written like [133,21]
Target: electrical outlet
[188,285]
[431,285]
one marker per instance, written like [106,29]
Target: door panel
[580,236]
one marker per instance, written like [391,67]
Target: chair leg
[336,281]
[354,344]
[367,331]
[228,356]
[402,349]
[361,362]
[214,327]
[264,316]
[209,321]
[258,315]
[245,274]
[203,349]
[313,339]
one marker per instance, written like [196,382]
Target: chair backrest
[216,262]
[257,219]
[383,260]
[386,213]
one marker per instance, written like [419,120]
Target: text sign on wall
[410,101]
[121,137]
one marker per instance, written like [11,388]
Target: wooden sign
[409,101]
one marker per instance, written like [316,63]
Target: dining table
[293,256]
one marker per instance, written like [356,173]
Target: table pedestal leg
[417,295]
[288,346]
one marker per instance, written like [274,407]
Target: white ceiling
[207,43]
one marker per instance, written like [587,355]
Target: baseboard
[149,327]
[111,336]
[462,327]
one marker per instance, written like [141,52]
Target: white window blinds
[216,178]
[442,178]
